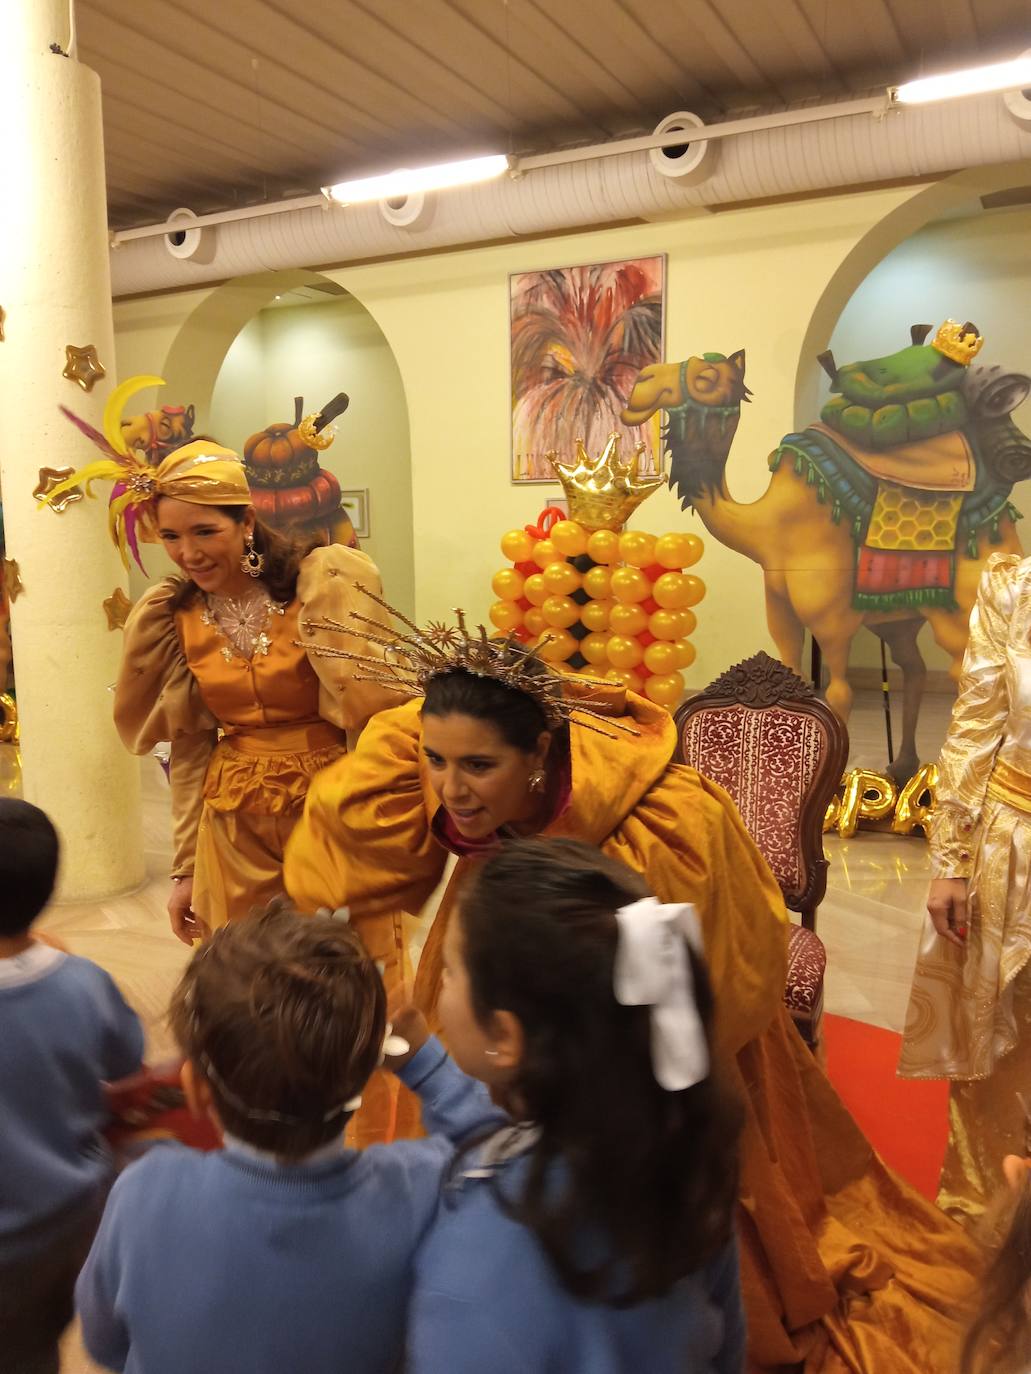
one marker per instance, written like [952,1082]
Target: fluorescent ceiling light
[408,181]
[1000,76]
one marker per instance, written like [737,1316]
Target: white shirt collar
[30,965]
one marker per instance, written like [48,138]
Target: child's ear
[196,1091]
[507,1041]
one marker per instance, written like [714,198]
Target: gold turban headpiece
[200,472]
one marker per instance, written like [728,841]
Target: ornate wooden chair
[763,735]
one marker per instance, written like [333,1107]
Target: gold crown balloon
[604,492]
[959,342]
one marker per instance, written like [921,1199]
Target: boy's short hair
[29,851]
[284,1016]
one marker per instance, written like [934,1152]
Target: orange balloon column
[605,603]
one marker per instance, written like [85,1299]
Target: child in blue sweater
[283,1251]
[64,1030]
[593,1233]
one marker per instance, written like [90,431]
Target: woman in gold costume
[845,1268]
[969,1016]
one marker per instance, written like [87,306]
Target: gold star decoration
[117,607]
[83,366]
[9,720]
[604,492]
[48,480]
[3,317]
[11,578]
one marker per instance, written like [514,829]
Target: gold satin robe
[845,1267]
[969,1017]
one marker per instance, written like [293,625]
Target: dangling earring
[252,562]
[537,780]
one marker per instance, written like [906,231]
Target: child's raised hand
[408,1022]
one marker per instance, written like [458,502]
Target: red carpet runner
[905,1120]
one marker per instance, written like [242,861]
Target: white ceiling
[217,103]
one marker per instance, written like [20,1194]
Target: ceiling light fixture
[408,181]
[999,76]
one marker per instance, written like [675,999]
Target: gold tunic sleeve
[327,589]
[977,726]
[157,698]
[364,841]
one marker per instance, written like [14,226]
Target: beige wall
[751,278]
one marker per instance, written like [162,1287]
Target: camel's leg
[901,638]
[821,599]
[786,630]
[951,630]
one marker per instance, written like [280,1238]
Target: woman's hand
[185,925]
[947,905]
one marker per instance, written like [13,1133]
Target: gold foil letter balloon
[867,796]
[912,810]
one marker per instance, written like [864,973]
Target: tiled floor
[870,920]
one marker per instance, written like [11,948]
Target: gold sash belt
[304,738]
[1010,785]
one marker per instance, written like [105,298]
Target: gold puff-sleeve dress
[247,734]
[845,1268]
[969,1017]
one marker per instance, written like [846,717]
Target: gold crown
[604,492]
[960,342]
[413,660]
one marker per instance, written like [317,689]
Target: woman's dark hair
[652,1174]
[515,715]
[29,851]
[284,1017]
[999,1339]
[283,558]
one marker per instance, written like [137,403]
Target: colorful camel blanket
[905,537]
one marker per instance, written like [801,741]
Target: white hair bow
[653,970]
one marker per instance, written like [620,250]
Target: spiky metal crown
[960,342]
[414,659]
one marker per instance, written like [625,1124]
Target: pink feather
[94,435]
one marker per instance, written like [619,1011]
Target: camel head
[702,399]
[158,432]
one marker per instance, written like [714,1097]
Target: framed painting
[356,505]
[579,337]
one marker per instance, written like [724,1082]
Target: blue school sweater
[64,1030]
[226,1263]
[487,1300]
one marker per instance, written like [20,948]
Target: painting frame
[355,505]
[525,467]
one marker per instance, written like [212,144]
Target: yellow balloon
[569,537]
[685,652]
[678,551]
[630,585]
[665,689]
[560,612]
[561,579]
[696,589]
[686,621]
[506,615]
[866,796]
[594,648]
[672,590]
[534,620]
[556,645]
[624,652]
[911,810]
[508,584]
[596,582]
[631,681]
[603,546]
[661,657]
[637,548]
[535,590]
[517,546]
[545,552]
[628,619]
[595,615]
[662,624]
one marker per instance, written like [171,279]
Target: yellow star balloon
[11,578]
[604,492]
[83,366]
[49,478]
[117,607]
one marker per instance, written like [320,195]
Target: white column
[55,290]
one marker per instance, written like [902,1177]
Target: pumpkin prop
[290,491]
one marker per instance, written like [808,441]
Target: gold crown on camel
[414,659]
